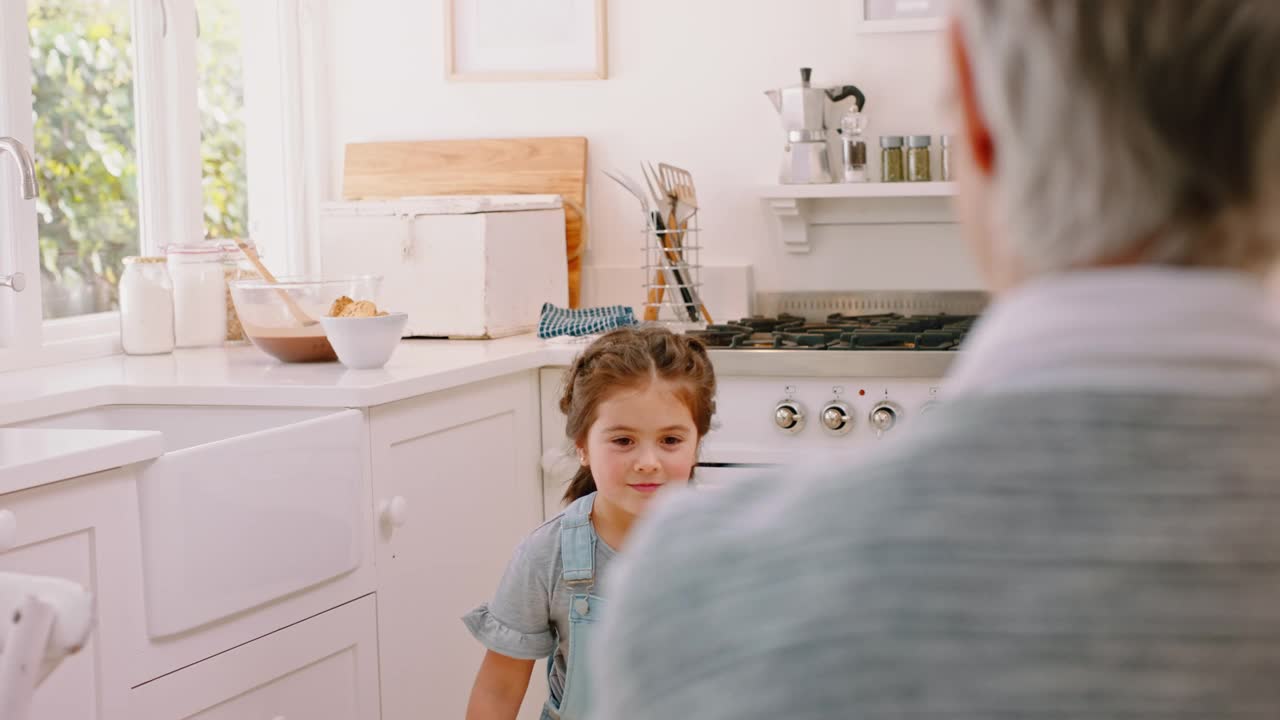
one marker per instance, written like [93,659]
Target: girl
[638,402]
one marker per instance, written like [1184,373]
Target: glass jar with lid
[235,266]
[146,307]
[891,159]
[918,158]
[199,294]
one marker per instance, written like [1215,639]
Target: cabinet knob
[395,511]
[8,530]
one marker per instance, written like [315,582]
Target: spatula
[294,309]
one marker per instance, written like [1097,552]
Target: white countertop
[31,457]
[241,375]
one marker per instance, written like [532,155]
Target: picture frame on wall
[889,16]
[515,40]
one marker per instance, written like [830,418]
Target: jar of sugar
[146,307]
[199,294]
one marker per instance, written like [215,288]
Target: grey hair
[1143,129]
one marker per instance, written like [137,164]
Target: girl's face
[642,439]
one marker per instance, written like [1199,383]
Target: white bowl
[363,343]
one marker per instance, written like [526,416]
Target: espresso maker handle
[838,94]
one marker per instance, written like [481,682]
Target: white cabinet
[252,519]
[84,530]
[456,486]
[324,668]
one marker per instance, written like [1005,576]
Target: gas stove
[840,332]
[816,373]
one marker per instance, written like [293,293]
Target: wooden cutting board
[511,166]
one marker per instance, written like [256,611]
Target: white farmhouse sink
[245,506]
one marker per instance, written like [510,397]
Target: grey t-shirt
[1049,556]
[528,617]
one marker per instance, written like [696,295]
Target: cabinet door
[457,487]
[83,530]
[323,668]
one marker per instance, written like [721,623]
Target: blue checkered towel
[556,321]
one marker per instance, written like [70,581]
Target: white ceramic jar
[146,307]
[199,294]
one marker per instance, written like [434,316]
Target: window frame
[284,192]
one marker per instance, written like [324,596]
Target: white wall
[686,82]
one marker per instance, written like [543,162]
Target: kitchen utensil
[653,298]
[677,184]
[298,313]
[677,268]
[671,239]
[802,109]
[514,166]
[270,324]
[631,186]
[365,343]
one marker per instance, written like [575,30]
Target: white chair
[42,621]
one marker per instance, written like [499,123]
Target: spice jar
[891,158]
[199,294]
[146,307]
[946,158]
[235,266]
[918,158]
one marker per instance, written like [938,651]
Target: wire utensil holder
[673,272]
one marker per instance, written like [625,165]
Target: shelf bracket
[791,216]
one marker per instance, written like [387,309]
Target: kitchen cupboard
[85,530]
[442,489]
[456,488]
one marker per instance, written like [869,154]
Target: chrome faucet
[26,168]
[27,173]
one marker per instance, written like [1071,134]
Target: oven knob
[788,417]
[836,418]
[884,416]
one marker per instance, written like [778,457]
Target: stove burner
[764,341]
[720,336]
[887,331]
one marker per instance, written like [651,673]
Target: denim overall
[578,555]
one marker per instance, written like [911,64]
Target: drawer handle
[394,511]
[8,530]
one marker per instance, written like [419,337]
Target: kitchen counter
[31,457]
[241,375]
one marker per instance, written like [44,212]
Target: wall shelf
[797,208]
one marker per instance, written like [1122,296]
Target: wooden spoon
[298,313]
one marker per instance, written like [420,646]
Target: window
[219,64]
[82,86]
[145,130]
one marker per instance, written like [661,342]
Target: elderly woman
[1091,526]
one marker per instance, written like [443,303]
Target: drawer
[324,668]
